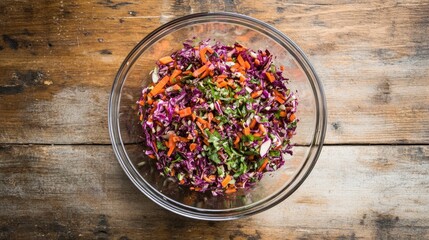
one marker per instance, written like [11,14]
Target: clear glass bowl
[125,131]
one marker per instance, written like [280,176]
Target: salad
[217,117]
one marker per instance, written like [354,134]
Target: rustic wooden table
[60,179]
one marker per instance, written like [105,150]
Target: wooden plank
[58,60]
[354,192]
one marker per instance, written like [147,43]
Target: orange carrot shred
[165,60]
[264,165]
[193,146]
[203,122]
[159,86]
[257,62]
[171,144]
[226,180]
[252,123]
[279,99]
[175,73]
[292,117]
[246,64]
[240,60]
[203,55]
[222,84]
[283,114]
[205,73]
[230,190]
[246,131]
[236,141]
[199,71]
[270,76]
[257,134]
[185,112]
[256,94]
[282,67]
[152,156]
[207,179]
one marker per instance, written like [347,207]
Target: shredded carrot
[257,62]
[171,144]
[282,67]
[165,60]
[210,118]
[235,67]
[159,86]
[256,94]
[246,64]
[149,100]
[176,87]
[141,117]
[193,146]
[222,84]
[185,112]
[242,79]
[200,126]
[257,134]
[141,102]
[207,179]
[240,60]
[279,99]
[206,141]
[193,116]
[230,190]
[172,172]
[292,117]
[203,122]
[283,114]
[182,181]
[226,180]
[246,131]
[240,48]
[151,156]
[264,165]
[252,123]
[205,73]
[236,141]
[175,73]
[199,71]
[270,76]
[203,55]
[221,77]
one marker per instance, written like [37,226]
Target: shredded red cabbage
[217,117]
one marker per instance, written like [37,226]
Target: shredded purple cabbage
[217,117]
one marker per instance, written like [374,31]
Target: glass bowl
[125,131]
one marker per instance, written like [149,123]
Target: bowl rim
[217,214]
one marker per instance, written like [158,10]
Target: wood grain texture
[58,61]
[80,191]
